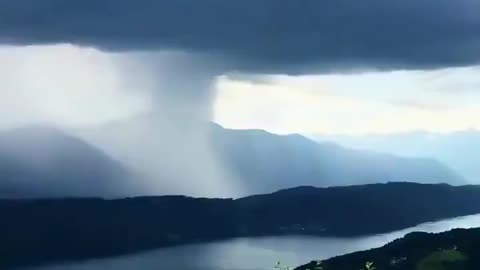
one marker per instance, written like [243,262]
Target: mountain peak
[44,161]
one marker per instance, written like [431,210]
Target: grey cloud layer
[265,35]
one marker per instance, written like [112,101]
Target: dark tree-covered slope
[41,231]
[458,249]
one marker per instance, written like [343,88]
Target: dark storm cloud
[261,34]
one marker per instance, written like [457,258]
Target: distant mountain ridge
[459,150]
[293,160]
[40,161]
[263,162]
[34,232]
[45,162]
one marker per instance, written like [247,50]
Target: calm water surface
[254,253]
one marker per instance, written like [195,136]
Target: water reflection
[255,253]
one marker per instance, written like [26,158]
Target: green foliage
[369,266]
[457,249]
[437,260]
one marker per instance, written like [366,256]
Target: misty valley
[122,159]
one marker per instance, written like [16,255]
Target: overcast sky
[65,85]
[78,86]
[443,100]
[372,66]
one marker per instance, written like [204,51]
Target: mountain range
[269,162]
[45,162]
[263,162]
[40,161]
[458,150]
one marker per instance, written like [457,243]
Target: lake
[254,253]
